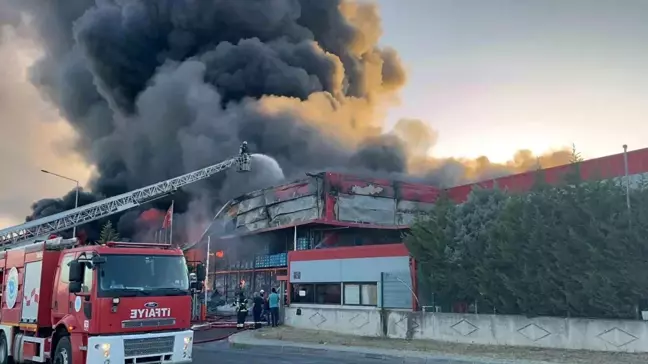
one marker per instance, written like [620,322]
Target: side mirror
[200,273]
[76,271]
[75,287]
[97,259]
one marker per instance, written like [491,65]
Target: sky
[491,76]
[26,121]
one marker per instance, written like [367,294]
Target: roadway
[220,352]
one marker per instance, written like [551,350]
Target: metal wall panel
[407,211]
[366,209]
[345,270]
[251,204]
[348,184]
[298,204]
[251,216]
[292,191]
[396,290]
[295,217]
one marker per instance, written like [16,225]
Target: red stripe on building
[366,251]
[610,166]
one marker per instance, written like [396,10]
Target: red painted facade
[327,198]
[599,168]
[341,200]
[367,251]
[345,200]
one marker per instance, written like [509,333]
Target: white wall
[346,270]
[361,321]
[547,332]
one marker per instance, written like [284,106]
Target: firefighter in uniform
[243,149]
[241,311]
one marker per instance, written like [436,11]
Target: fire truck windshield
[142,275]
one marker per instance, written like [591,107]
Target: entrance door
[283,292]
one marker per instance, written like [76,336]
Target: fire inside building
[336,239]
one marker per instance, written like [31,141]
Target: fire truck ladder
[40,229]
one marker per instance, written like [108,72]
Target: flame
[219,254]
[152,215]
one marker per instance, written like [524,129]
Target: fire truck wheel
[63,354]
[4,349]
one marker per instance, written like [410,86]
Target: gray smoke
[159,88]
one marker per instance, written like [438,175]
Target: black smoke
[158,88]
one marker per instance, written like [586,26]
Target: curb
[243,340]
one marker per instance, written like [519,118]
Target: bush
[567,250]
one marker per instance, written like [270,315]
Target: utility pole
[76,198]
[627,181]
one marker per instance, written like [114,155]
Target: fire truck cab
[112,303]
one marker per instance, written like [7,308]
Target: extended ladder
[42,228]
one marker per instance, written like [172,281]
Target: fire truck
[111,303]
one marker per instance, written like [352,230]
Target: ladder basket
[243,163]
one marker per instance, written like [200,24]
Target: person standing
[266,307]
[257,309]
[273,302]
[241,312]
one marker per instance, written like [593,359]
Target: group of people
[263,306]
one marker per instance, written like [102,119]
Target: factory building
[336,239]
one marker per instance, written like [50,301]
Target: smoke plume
[158,88]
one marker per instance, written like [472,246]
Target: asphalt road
[222,353]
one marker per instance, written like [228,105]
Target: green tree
[428,241]
[562,250]
[108,233]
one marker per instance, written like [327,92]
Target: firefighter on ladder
[243,149]
[241,311]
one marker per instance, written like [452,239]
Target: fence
[546,306]
[227,284]
[396,290]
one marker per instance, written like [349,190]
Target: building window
[364,294]
[317,293]
[351,294]
[369,294]
[328,294]
[303,293]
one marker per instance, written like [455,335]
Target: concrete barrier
[545,332]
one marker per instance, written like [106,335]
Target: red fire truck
[98,304]
[111,303]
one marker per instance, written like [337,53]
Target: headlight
[187,346]
[105,348]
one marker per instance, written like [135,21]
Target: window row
[358,294]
